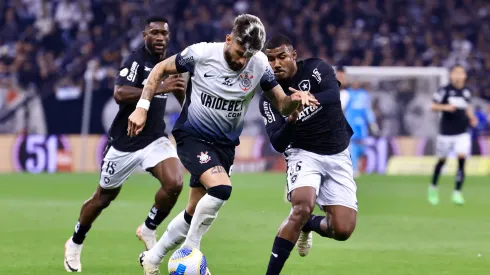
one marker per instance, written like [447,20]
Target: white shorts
[330,175]
[459,144]
[117,166]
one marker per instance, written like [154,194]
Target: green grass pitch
[397,231]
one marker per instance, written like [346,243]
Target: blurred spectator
[49,40]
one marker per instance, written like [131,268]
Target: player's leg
[443,148]
[303,181]
[303,203]
[218,185]
[463,149]
[177,229]
[338,199]
[162,162]
[116,168]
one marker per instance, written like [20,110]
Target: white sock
[176,232]
[145,229]
[206,212]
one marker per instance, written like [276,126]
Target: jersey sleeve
[280,132]
[440,96]
[328,84]
[467,95]
[130,72]
[187,59]
[268,79]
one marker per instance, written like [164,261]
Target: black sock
[155,218]
[460,174]
[437,172]
[187,218]
[280,253]
[313,224]
[80,233]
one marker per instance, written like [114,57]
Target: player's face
[458,76]
[235,54]
[156,36]
[283,61]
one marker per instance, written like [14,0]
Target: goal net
[401,97]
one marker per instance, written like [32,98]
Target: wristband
[143,103]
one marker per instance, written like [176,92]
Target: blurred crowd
[46,46]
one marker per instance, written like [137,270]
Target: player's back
[457,122]
[134,71]
[217,97]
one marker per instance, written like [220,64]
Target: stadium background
[58,62]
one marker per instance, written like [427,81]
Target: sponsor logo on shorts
[203,157]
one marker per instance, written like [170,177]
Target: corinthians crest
[246,81]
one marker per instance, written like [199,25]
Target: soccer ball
[187,261]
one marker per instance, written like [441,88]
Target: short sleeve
[130,72]
[439,96]
[325,75]
[268,79]
[187,59]
[467,95]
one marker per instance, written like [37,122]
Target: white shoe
[207,271]
[304,243]
[72,256]
[148,268]
[147,236]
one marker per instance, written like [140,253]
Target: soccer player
[344,94]
[358,112]
[224,79]
[453,101]
[315,141]
[151,150]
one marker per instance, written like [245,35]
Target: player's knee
[222,192]
[343,231]
[173,184]
[103,201]
[301,212]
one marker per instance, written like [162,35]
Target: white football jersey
[217,97]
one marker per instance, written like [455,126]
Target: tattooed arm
[156,76]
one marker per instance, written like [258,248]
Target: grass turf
[397,231]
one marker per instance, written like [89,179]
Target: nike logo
[274,254]
[209,75]
[69,267]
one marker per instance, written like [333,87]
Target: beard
[233,65]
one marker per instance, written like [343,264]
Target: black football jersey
[133,72]
[320,129]
[457,122]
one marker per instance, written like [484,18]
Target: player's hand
[173,83]
[136,121]
[293,117]
[304,99]
[473,121]
[450,108]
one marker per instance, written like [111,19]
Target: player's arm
[179,63]
[280,131]
[439,102]
[469,110]
[282,102]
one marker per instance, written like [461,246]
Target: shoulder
[260,59]
[316,63]
[134,55]
[467,92]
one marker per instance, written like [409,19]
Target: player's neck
[159,56]
[458,86]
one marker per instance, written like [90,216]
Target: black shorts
[198,156]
